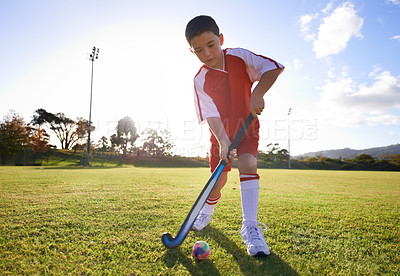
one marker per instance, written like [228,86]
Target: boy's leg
[205,215]
[249,189]
[215,194]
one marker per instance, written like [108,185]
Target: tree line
[275,157]
[16,135]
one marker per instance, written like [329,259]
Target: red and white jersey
[226,93]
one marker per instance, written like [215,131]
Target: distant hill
[347,153]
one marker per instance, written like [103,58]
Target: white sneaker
[253,238]
[201,221]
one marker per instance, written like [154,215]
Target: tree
[157,144]
[282,155]
[39,142]
[365,158]
[275,156]
[103,146]
[395,158]
[115,142]
[103,143]
[271,154]
[14,135]
[126,135]
[80,132]
[62,126]
[68,131]
[40,138]
[42,117]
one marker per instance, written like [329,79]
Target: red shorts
[249,144]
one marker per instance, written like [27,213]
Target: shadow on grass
[269,265]
[175,256]
[81,167]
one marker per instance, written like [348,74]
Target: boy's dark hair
[199,25]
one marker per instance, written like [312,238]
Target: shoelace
[254,234]
[265,229]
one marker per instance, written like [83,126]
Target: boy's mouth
[210,60]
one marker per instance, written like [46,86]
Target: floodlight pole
[288,130]
[93,56]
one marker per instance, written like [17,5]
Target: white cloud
[335,31]
[394,2]
[396,37]
[305,22]
[328,8]
[298,64]
[331,74]
[345,102]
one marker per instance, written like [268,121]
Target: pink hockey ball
[201,250]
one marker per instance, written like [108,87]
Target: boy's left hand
[256,104]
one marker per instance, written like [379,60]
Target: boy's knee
[247,163]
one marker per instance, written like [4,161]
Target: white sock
[209,206]
[249,190]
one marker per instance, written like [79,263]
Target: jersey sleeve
[256,65]
[205,106]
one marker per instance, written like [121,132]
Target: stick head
[168,240]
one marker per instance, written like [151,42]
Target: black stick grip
[240,134]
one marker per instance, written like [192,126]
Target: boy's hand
[256,104]
[256,99]
[218,130]
[223,151]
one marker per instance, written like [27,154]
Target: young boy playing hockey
[223,99]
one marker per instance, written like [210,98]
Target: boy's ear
[221,39]
[191,50]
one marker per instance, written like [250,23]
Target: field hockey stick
[172,242]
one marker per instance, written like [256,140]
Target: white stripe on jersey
[203,100]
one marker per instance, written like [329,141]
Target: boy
[223,99]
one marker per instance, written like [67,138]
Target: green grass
[63,221]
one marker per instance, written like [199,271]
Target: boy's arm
[217,128]
[257,96]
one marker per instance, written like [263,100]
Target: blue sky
[342,77]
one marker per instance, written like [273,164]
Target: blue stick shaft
[201,200]
[167,239]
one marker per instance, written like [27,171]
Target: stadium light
[93,56]
[288,130]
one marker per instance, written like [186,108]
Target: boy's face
[207,47]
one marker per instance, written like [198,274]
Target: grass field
[109,221]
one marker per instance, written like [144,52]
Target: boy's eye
[211,45]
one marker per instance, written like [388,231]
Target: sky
[341,78]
